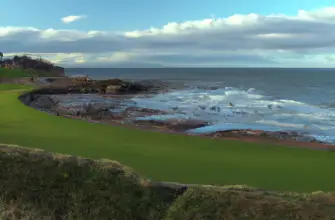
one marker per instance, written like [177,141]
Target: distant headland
[27,66]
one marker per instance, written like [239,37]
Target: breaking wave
[231,108]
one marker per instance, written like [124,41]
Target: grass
[12,73]
[200,203]
[11,87]
[167,157]
[38,185]
[6,72]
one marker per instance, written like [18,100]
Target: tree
[1,56]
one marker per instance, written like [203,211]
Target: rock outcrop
[68,85]
[178,125]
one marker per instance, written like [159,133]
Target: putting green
[167,157]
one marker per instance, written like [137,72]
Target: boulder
[175,124]
[141,112]
[113,88]
[183,125]
[44,102]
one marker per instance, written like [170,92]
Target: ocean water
[302,100]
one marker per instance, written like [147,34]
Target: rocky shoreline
[58,96]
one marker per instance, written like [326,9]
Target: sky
[174,33]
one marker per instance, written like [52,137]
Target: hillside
[24,66]
[40,185]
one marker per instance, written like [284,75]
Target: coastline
[250,139]
[252,136]
[167,157]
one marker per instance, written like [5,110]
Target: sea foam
[251,110]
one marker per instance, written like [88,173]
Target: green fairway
[173,158]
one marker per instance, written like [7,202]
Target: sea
[272,99]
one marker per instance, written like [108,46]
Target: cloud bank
[306,39]
[72,18]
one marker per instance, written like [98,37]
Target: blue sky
[108,16]
[139,14]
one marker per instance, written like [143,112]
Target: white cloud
[72,18]
[305,39]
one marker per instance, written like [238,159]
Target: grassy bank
[169,157]
[39,185]
[11,87]
[6,72]
[12,73]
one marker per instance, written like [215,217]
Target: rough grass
[38,185]
[166,157]
[52,186]
[5,72]
[13,73]
[11,87]
[200,203]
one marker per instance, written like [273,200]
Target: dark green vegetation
[11,87]
[40,185]
[11,73]
[166,157]
[36,185]
[201,203]
[22,66]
